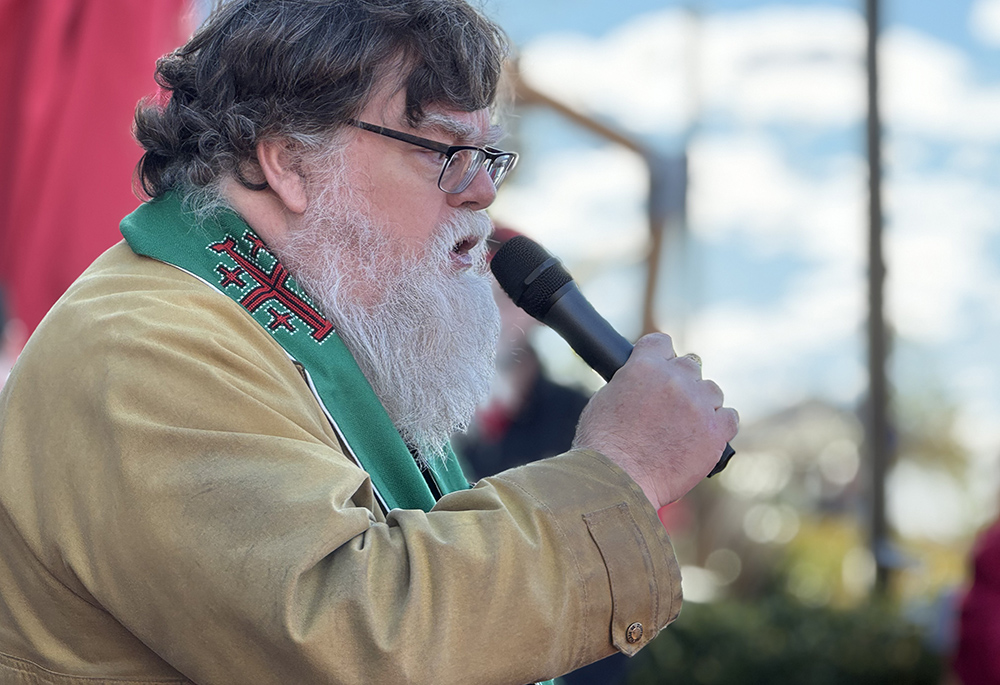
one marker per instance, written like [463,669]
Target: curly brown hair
[299,69]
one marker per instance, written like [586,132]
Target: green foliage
[780,640]
[926,433]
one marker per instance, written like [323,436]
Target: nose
[479,195]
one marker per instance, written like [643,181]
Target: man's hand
[659,420]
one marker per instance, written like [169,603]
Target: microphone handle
[573,317]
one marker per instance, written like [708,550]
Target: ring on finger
[693,357]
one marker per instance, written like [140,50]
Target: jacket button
[634,632]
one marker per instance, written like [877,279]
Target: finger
[714,393]
[660,342]
[732,419]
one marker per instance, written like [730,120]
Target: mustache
[467,230]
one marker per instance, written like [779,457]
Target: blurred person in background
[977,652]
[224,452]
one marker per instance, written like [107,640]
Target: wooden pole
[526,95]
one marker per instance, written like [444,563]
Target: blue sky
[771,290]
[524,19]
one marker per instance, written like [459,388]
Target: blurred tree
[781,640]
[926,431]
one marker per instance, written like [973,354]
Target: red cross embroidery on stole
[270,286]
[230,277]
[282,319]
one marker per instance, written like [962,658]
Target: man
[208,475]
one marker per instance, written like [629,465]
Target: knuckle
[655,340]
[713,389]
[732,419]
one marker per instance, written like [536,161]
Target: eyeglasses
[461,162]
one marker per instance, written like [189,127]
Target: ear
[277,162]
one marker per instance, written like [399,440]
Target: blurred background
[751,119]
[701,167]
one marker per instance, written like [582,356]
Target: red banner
[71,73]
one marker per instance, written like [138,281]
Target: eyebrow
[462,131]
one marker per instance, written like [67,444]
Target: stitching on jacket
[30,668]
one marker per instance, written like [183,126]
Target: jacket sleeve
[196,493]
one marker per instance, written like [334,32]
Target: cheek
[410,209]
[411,220]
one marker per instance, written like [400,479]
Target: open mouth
[464,246]
[462,252]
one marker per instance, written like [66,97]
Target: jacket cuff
[641,589]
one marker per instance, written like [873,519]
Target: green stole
[227,255]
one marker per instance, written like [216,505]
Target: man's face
[398,180]
[399,267]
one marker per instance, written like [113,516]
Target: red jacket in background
[977,657]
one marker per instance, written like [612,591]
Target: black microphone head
[528,274]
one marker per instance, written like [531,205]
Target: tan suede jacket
[175,507]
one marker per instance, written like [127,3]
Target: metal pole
[877,425]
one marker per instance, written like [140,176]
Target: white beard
[423,334]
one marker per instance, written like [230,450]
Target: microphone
[537,283]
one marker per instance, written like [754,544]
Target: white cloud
[636,74]
[744,184]
[936,253]
[805,64]
[984,21]
[653,73]
[929,89]
[764,357]
[785,64]
[584,206]
[798,65]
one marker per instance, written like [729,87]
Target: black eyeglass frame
[490,154]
